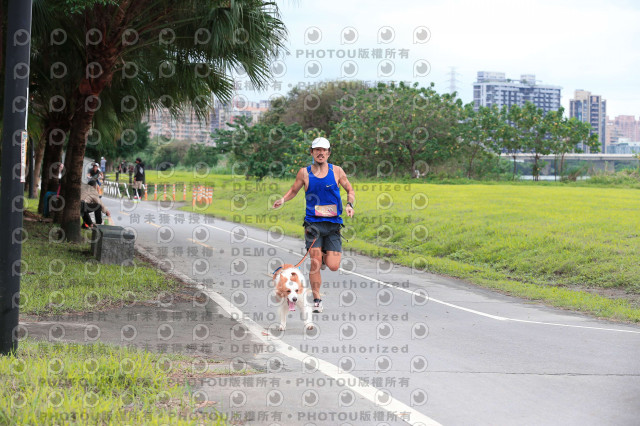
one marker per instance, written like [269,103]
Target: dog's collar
[278,268]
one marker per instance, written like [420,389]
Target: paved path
[394,345]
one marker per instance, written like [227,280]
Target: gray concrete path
[394,345]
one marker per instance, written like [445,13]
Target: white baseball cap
[320,143]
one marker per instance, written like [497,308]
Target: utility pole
[453,80]
[14,150]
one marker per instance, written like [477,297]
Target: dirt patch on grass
[613,294]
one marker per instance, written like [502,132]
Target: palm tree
[54,68]
[164,39]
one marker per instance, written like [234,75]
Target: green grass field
[565,245]
[51,384]
[61,277]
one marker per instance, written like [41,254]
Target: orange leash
[307,253]
[301,260]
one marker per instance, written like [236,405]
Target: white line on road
[327,368]
[370,393]
[572,325]
[451,305]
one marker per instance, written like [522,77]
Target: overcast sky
[576,44]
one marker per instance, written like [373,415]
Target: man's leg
[331,253]
[98,214]
[312,237]
[86,218]
[332,259]
[333,245]
[95,209]
[315,279]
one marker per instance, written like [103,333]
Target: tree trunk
[49,171]
[74,161]
[37,165]
[57,217]
[44,168]
[2,35]
[514,167]
[87,102]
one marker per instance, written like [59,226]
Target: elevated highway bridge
[603,162]
[578,157]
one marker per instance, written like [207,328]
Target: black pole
[16,83]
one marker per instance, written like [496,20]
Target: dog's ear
[296,279]
[281,286]
[300,279]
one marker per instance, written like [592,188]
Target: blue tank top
[323,198]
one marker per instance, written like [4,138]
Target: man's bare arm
[297,185]
[351,194]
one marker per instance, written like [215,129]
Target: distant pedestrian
[123,167]
[130,170]
[138,178]
[103,164]
[97,175]
[90,202]
[118,171]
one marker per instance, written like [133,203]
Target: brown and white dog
[291,290]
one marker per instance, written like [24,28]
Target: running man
[324,207]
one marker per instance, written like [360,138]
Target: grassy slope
[49,383]
[60,277]
[543,242]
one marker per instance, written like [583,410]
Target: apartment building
[591,109]
[188,126]
[494,88]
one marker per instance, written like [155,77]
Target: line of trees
[524,129]
[262,150]
[397,130]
